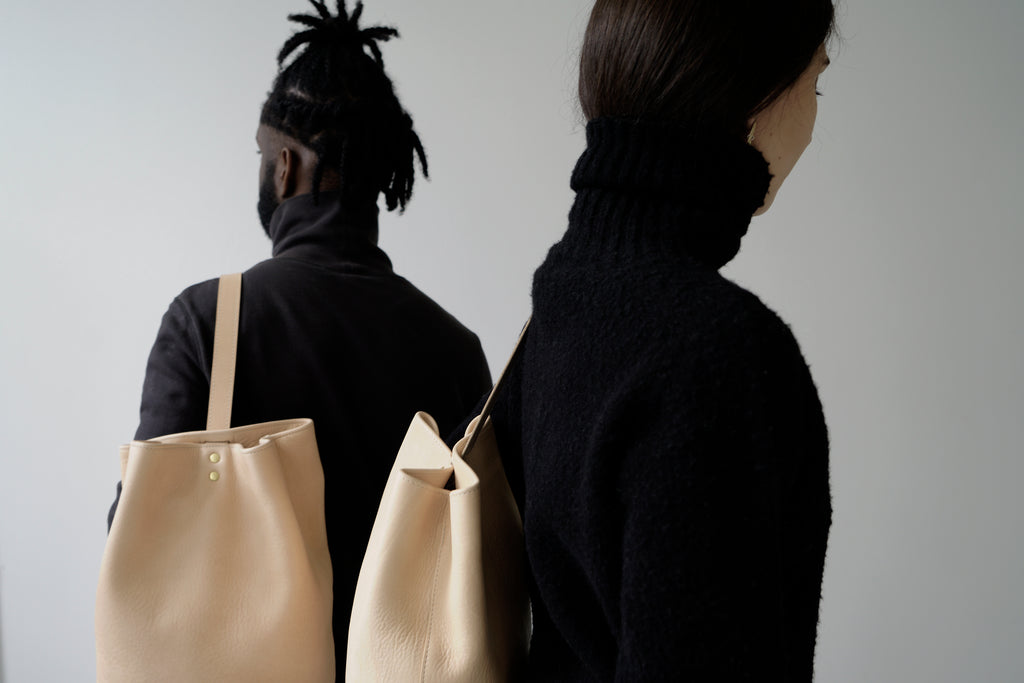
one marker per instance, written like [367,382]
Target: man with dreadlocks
[328,331]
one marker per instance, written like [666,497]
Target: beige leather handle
[225,350]
[489,404]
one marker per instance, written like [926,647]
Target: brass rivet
[214,457]
[214,476]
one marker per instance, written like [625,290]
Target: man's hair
[335,98]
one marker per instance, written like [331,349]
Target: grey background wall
[127,171]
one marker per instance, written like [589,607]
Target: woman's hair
[335,98]
[697,62]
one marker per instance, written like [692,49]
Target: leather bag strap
[491,399]
[225,350]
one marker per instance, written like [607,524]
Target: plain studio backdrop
[128,171]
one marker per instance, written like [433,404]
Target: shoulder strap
[225,349]
[491,399]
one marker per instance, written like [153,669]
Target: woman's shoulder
[666,321]
[706,314]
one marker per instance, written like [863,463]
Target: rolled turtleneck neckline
[327,231]
[648,188]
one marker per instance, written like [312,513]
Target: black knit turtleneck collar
[327,232]
[644,188]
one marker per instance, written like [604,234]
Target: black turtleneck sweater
[328,331]
[673,475]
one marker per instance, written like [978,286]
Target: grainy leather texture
[441,593]
[216,567]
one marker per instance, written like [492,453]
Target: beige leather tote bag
[441,593]
[216,567]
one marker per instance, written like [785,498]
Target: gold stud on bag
[441,594]
[216,567]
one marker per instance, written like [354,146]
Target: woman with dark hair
[673,478]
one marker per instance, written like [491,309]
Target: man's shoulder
[200,291]
[287,283]
[430,312]
[197,301]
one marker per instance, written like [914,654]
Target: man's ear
[286,174]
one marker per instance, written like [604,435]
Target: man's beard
[268,203]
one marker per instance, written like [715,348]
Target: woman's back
[674,453]
[664,436]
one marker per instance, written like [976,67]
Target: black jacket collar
[327,232]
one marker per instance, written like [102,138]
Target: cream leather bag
[216,567]
[441,593]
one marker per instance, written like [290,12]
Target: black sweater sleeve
[712,469]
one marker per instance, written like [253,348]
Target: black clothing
[328,331]
[674,470]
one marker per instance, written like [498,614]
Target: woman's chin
[769,199]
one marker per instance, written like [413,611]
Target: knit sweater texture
[662,432]
[328,331]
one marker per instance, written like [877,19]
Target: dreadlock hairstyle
[336,99]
